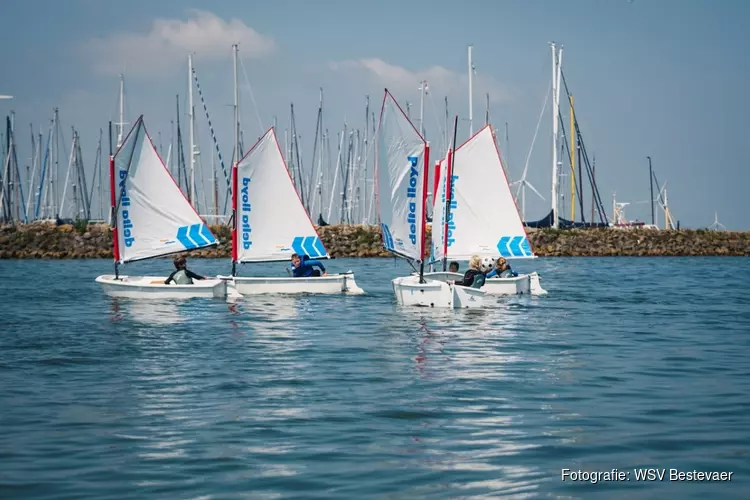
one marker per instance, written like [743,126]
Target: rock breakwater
[48,241]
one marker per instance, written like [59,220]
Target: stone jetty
[94,241]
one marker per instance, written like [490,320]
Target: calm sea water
[627,363]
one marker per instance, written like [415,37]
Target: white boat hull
[153,287]
[516,285]
[410,292]
[331,284]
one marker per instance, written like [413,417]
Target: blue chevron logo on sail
[514,246]
[195,236]
[308,245]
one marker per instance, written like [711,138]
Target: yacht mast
[191,125]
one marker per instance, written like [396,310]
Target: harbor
[400,250]
[94,241]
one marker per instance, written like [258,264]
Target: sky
[659,78]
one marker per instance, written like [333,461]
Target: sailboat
[478,216]
[402,165]
[269,221]
[270,224]
[151,218]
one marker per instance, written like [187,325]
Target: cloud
[440,80]
[165,47]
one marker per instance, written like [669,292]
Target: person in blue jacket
[502,269]
[302,267]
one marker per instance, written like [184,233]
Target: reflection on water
[156,312]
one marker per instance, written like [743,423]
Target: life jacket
[304,270]
[478,281]
[181,278]
[476,277]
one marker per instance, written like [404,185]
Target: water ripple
[626,363]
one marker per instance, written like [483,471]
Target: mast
[366,214]
[179,144]
[34,153]
[191,125]
[54,178]
[121,123]
[580,172]
[422,89]
[215,188]
[298,160]
[555,124]
[236,125]
[445,131]
[424,211]
[487,110]
[67,175]
[113,201]
[471,94]
[96,183]
[651,182]
[76,185]
[314,183]
[5,195]
[42,192]
[572,163]
[169,149]
[449,192]
[336,173]
[593,189]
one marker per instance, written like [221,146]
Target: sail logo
[411,192]
[454,204]
[437,244]
[245,209]
[127,224]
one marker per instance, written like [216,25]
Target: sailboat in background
[151,218]
[402,167]
[270,224]
[475,214]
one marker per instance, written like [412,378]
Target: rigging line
[592,180]
[536,132]
[211,127]
[18,173]
[252,97]
[42,186]
[569,154]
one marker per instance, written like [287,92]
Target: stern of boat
[432,293]
[535,285]
[350,286]
[467,298]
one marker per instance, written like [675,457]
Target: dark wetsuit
[305,269]
[472,278]
[190,274]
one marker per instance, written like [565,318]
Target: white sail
[438,212]
[484,218]
[271,222]
[153,216]
[400,168]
